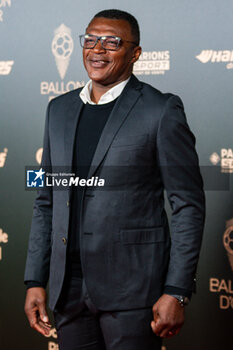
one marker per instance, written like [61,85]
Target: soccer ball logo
[62,45]
[62,48]
[228,244]
[228,240]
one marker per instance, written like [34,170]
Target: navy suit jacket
[128,253]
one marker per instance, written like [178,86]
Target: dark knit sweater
[91,123]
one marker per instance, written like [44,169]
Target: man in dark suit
[119,279]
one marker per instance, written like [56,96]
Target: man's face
[107,67]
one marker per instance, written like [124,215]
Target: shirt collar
[109,96]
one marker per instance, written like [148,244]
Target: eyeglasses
[108,42]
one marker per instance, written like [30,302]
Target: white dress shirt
[109,96]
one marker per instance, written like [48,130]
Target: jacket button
[64,240]
[67,203]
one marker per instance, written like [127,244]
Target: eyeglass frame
[101,38]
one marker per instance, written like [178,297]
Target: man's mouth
[98,63]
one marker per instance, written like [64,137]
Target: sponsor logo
[58,88]
[3,4]
[38,156]
[216,56]
[225,287]
[152,62]
[3,239]
[51,344]
[3,157]
[224,159]
[62,47]
[222,286]
[6,67]
[35,178]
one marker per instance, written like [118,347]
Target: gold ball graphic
[228,240]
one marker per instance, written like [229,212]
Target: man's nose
[98,46]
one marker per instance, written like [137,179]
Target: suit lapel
[125,102]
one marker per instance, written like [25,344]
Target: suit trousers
[80,325]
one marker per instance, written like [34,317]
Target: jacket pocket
[130,140]
[142,235]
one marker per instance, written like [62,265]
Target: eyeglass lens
[109,43]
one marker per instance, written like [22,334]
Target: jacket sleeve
[39,248]
[183,183]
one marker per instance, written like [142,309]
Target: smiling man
[119,278]
[109,61]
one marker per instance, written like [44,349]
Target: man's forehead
[107,26]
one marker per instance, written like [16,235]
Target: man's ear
[136,53]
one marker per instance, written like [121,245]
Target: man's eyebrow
[107,30]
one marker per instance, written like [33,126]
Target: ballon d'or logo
[62,48]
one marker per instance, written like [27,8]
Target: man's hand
[168,316]
[35,309]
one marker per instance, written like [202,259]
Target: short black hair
[118,14]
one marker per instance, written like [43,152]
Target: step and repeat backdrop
[187,50]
